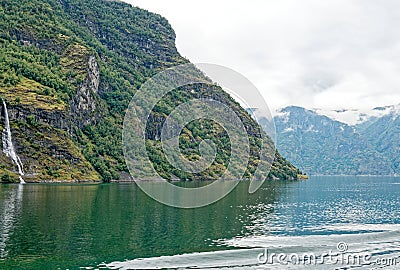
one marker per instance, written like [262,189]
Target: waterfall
[8,147]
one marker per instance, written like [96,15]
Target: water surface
[116,226]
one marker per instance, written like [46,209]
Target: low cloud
[329,54]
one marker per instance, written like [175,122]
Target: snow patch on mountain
[350,117]
[284,115]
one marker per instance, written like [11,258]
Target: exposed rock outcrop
[84,107]
[56,118]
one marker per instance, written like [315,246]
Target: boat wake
[366,246]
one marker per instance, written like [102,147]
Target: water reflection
[10,209]
[117,225]
[67,226]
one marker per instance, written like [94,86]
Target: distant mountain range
[368,144]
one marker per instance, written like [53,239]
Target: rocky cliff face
[46,151]
[55,118]
[84,108]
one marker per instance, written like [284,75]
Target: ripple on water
[379,241]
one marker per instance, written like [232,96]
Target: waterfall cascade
[8,147]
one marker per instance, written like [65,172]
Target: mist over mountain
[321,145]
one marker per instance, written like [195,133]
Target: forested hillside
[68,70]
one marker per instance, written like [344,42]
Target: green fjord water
[117,226]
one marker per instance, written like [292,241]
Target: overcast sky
[329,54]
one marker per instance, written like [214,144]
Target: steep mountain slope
[383,133]
[69,69]
[318,144]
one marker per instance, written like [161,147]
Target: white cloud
[328,54]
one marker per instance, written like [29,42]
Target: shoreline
[162,180]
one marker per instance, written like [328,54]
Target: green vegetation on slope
[85,60]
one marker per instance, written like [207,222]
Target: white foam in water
[8,146]
[381,242]
[204,260]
